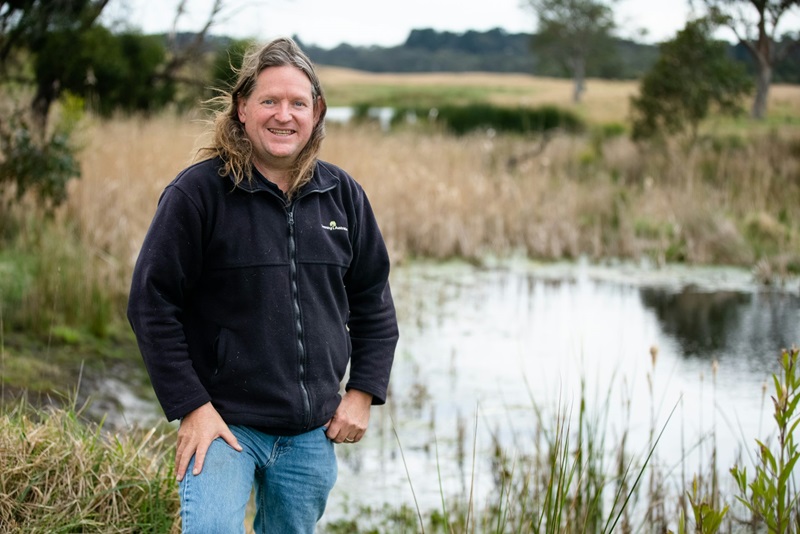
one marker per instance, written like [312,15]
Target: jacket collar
[322,180]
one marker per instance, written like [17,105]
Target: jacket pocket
[220,353]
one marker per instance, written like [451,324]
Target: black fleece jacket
[257,305]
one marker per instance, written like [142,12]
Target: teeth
[281,132]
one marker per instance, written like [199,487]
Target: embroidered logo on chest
[332,226]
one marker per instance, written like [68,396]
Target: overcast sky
[328,23]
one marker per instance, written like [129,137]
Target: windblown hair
[230,142]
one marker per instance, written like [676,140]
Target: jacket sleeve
[372,322]
[169,263]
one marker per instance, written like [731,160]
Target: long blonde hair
[230,141]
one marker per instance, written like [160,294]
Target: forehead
[285,78]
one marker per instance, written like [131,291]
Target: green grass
[411,96]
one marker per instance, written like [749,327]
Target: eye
[300,104]
[268,101]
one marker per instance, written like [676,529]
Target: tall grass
[61,474]
[573,476]
[440,196]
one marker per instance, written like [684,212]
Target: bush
[461,120]
[42,164]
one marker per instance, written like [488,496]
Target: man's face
[278,117]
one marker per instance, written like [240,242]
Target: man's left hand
[349,423]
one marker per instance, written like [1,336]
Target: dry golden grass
[125,164]
[58,475]
[441,196]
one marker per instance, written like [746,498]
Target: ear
[241,108]
[320,108]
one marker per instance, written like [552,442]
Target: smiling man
[262,276]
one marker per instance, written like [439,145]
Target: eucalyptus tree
[756,24]
[693,77]
[574,33]
[51,49]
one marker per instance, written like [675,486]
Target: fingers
[350,421]
[199,458]
[230,439]
[197,431]
[342,431]
[181,461]
[346,437]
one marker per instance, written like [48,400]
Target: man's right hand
[198,429]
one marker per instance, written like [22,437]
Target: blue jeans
[293,476]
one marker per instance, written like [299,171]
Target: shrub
[461,120]
[40,164]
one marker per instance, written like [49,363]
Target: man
[262,276]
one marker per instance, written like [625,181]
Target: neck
[279,177]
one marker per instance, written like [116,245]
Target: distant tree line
[428,50]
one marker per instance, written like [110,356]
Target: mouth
[280,133]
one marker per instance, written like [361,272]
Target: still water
[482,348]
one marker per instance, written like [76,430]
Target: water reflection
[481,347]
[735,326]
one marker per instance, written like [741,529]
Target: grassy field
[605,101]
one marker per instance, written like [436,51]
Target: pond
[483,348]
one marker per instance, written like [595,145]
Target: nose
[284,113]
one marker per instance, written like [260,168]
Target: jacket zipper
[298,323]
[296,312]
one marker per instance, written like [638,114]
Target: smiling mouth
[281,132]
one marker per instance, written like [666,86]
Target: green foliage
[26,23]
[464,119]
[226,63]
[707,519]
[42,166]
[771,495]
[693,76]
[112,72]
[572,31]
[575,34]
[428,50]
